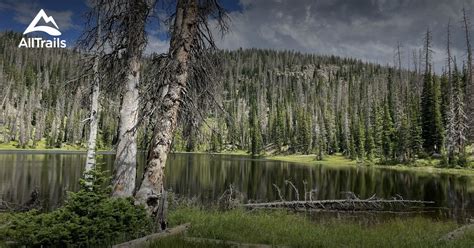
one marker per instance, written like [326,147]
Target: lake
[205,177]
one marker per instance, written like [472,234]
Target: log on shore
[144,241]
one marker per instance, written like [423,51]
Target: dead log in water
[352,204]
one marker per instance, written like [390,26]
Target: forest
[225,123]
[268,102]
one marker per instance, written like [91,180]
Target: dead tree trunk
[23,140]
[184,33]
[126,155]
[94,115]
[93,124]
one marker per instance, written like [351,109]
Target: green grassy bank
[293,230]
[421,165]
[284,228]
[338,160]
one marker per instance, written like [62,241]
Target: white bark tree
[126,151]
[186,68]
[94,112]
[93,119]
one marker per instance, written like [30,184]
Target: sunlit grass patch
[294,230]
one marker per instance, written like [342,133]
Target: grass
[284,228]
[333,160]
[338,160]
[233,152]
[41,145]
[295,230]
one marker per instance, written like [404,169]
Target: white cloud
[364,29]
[156,45]
[25,12]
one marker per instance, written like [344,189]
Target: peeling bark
[126,155]
[94,115]
[184,32]
[94,121]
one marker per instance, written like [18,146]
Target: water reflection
[207,176]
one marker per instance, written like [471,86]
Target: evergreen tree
[256,142]
[432,123]
[387,135]
[370,142]
[416,140]
[360,140]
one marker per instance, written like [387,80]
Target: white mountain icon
[47,19]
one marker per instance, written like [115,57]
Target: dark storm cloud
[365,29]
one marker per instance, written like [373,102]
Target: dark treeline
[271,101]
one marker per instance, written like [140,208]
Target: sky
[365,29]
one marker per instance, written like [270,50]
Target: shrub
[87,218]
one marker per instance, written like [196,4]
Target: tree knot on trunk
[152,201]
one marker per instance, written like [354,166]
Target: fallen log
[457,233]
[144,241]
[231,243]
[342,204]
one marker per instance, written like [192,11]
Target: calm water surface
[207,176]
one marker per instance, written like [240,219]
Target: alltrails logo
[39,42]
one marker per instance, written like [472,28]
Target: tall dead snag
[184,32]
[186,70]
[94,111]
[126,151]
[123,39]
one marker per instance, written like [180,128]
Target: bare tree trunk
[126,155]
[94,120]
[94,114]
[73,117]
[23,139]
[184,33]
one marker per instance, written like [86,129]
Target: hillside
[272,101]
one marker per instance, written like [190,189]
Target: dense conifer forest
[267,102]
[361,152]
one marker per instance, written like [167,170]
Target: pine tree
[378,125]
[438,128]
[304,135]
[387,135]
[360,140]
[370,142]
[403,141]
[256,142]
[432,124]
[416,140]
[279,128]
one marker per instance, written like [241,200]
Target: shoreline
[333,161]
